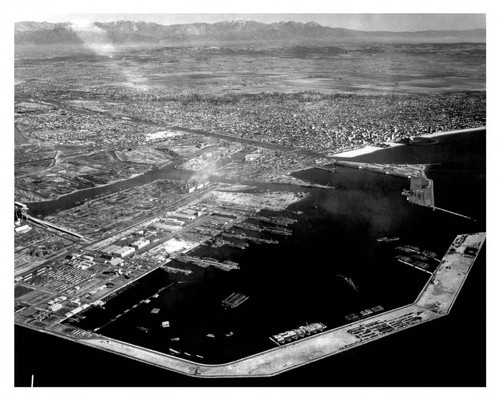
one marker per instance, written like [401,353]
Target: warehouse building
[141,243]
[124,252]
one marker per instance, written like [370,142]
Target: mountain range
[135,32]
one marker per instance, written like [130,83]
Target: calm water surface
[298,280]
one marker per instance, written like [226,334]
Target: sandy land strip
[371,148]
[270,362]
[448,279]
[365,150]
[276,201]
[475,129]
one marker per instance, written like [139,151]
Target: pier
[205,262]
[435,301]
[453,213]
[414,266]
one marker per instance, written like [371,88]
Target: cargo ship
[387,239]
[297,333]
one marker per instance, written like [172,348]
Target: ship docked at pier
[297,333]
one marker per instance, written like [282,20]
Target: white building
[55,307]
[116,261]
[124,251]
[182,216]
[141,243]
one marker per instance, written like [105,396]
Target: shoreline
[365,150]
[346,154]
[474,129]
[371,148]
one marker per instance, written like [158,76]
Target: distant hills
[137,32]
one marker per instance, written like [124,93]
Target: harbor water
[303,279]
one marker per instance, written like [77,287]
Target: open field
[401,68]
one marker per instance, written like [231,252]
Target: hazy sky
[367,22]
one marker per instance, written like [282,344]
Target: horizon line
[249,20]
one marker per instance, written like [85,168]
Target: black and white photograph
[250,199]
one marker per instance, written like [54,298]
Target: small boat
[349,281]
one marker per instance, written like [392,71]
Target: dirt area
[163,135]
[275,201]
[447,282]
[144,155]
[83,170]
[34,247]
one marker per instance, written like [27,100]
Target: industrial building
[182,216]
[168,227]
[116,261]
[175,221]
[141,243]
[123,252]
[110,249]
